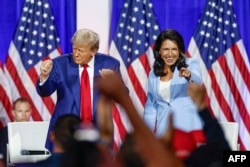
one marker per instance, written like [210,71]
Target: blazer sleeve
[194,67]
[50,85]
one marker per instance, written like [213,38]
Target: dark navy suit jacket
[64,79]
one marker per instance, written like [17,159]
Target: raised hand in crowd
[210,153]
[197,94]
[151,149]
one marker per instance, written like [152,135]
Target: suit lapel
[74,82]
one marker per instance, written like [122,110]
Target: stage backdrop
[180,15]
[103,17]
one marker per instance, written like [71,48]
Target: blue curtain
[183,16]
[177,14]
[64,12]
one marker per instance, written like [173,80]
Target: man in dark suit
[63,75]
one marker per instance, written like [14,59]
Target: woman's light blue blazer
[185,116]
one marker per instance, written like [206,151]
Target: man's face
[22,112]
[82,54]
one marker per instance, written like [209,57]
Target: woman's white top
[164,90]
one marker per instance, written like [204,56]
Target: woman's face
[169,52]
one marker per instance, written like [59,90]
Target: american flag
[5,99]
[136,32]
[225,66]
[35,39]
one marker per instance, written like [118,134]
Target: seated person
[21,112]
[91,145]
[60,135]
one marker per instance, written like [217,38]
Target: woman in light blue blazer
[167,87]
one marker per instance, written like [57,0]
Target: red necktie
[86,111]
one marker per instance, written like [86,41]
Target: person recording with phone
[167,93]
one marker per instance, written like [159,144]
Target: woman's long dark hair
[159,64]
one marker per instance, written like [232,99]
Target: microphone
[35,152]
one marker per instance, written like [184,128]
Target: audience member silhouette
[91,144]
[60,136]
[210,154]
[150,148]
[85,149]
[128,154]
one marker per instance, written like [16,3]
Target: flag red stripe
[241,64]
[6,103]
[49,104]
[23,92]
[121,128]
[33,75]
[242,146]
[144,61]
[236,94]
[115,146]
[220,97]
[136,84]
